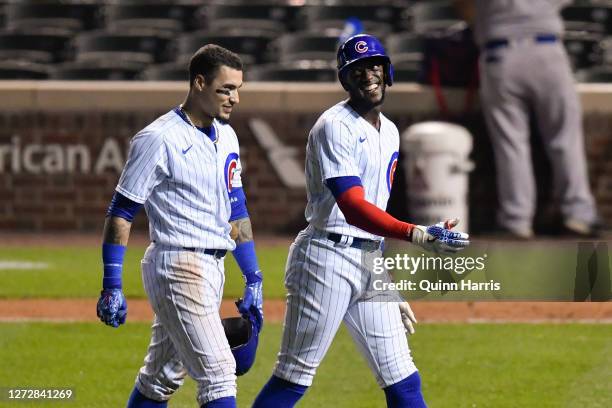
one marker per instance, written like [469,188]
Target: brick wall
[40,196]
[77,200]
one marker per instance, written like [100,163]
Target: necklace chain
[194,126]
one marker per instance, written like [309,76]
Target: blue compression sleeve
[339,185]
[123,207]
[238,203]
[244,254]
[112,257]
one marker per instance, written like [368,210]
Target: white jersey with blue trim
[342,143]
[184,179]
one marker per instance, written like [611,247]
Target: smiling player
[350,161]
[185,169]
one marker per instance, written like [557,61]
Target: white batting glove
[407,316]
[439,238]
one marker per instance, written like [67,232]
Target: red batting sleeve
[370,218]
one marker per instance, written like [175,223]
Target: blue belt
[504,42]
[359,243]
[217,253]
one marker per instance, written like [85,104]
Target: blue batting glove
[253,315]
[252,299]
[440,238]
[112,307]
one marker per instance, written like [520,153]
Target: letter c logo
[361,47]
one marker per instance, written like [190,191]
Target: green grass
[480,365]
[539,271]
[534,271]
[77,272]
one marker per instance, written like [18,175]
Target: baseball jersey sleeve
[146,166]
[336,150]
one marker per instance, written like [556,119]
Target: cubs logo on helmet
[362,46]
[391,170]
[231,164]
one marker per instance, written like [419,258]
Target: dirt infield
[426,312]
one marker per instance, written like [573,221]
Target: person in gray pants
[524,68]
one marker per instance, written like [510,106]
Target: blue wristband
[112,257]
[244,254]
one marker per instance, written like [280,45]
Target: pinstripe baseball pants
[327,284]
[185,290]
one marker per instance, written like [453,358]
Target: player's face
[366,81]
[219,97]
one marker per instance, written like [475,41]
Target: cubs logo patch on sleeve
[391,170]
[232,172]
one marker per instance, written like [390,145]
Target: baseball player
[524,70]
[185,169]
[350,162]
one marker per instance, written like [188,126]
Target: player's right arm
[112,305]
[145,168]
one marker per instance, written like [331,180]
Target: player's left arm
[350,197]
[251,304]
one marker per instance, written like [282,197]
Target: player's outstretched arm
[362,214]
[251,303]
[350,197]
[112,306]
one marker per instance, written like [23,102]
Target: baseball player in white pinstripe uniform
[350,161]
[185,168]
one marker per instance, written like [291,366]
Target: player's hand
[252,299]
[439,238]
[112,307]
[252,315]
[407,316]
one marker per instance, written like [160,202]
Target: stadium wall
[63,144]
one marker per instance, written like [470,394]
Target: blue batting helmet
[362,46]
[243,337]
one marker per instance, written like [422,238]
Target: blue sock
[137,400]
[225,402]
[406,393]
[278,393]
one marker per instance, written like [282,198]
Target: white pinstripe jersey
[183,179]
[342,143]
